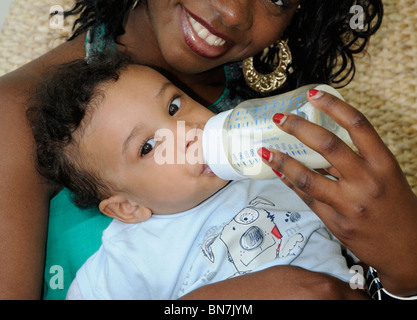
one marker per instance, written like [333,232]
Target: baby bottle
[231,138]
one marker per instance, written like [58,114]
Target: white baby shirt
[247,226]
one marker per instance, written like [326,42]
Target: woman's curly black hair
[324,36]
[322,40]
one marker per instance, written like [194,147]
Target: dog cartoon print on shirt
[252,238]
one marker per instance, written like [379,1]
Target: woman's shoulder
[30,74]
[15,91]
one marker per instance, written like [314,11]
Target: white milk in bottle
[231,138]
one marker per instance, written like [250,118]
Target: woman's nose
[235,13]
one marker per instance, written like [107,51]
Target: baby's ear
[119,207]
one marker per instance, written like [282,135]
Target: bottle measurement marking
[250,126]
[286,106]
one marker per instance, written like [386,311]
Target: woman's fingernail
[265,154]
[279,174]
[279,118]
[315,94]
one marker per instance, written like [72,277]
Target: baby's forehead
[145,72]
[142,81]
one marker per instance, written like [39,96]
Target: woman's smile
[202,39]
[205,34]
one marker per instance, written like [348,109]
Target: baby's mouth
[204,34]
[207,170]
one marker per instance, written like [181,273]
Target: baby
[104,129]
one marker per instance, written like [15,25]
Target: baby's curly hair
[59,107]
[320,36]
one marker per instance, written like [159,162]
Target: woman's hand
[370,208]
[278,283]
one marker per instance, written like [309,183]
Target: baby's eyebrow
[136,129]
[164,87]
[130,138]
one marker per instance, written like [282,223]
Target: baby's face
[145,138]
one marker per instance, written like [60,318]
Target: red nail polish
[312,92]
[315,94]
[279,174]
[266,154]
[279,118]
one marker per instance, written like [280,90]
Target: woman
[193,40]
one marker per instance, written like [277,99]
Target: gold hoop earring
[265,83]
[135,4]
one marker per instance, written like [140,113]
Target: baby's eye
[174,106]
[147,147]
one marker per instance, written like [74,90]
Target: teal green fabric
[73,236]
[95,41]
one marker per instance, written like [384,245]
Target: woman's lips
[201,38]
[205,34]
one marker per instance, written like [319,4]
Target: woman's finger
[331,218]
[361,131]
[316,194]
[314,186]
[331,171]
[331,147]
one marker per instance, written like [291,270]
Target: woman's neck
[140,43]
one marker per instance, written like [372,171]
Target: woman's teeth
[206,35]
